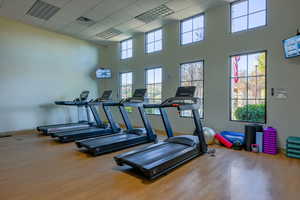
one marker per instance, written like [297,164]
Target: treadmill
[79,102]
[127,138]
[157,159]
[99,129]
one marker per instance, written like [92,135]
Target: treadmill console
[187,91]
[139,93]
[84,95]
[106,95]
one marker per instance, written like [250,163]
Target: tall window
[154,87]
[192,29]
[126,87]
[248,14]
[154,41]
[126,49]
[192,74]
[248,87]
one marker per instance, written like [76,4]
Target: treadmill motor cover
[188,140]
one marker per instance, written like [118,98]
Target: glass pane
[187,38]
[157,91]
[197,71]
[123,79]
[150,91]
[239,9]
[123,45]
[124,54]
[150,37]
[186,113]
[257,19]
[199,88]
[256,87]
[257,5]
[129,44]
[239,88]
[256,111]
[158,45]
[187,25]
[158,34]
[150,76]
[150,48]
[257,64]
[129,53]
[188,83]
[129,78]
[158,75]
[185,72]
[239,110]
[238,66]
[239,24]
[198,22]
[198,35]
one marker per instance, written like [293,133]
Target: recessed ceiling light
[109,33]
[155,13]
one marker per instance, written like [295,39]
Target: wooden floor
[35,167]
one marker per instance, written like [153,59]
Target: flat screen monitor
[292,47]
[106,94]
[103,73]
[139,93]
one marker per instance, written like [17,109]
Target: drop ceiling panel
[132,24]
[58,3]
[15,9]
[149,4]
[107,8]
[70,12]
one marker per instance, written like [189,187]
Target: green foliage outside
[252,113]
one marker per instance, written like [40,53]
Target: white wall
[38,67]
[219,44]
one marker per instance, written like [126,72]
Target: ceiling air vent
[155,13]
[42,10]
[85,21]
[109,33]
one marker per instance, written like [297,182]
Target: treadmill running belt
[154,154]
[92,143]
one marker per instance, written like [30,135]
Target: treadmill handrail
[152,105]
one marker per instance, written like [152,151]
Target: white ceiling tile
[132,24]
[107,8]
[70,12]
[58,3]
[149,4]
[15,9]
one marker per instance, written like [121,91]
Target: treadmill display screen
[140,93]
[106,94]
[188,91]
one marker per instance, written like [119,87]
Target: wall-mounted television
[103,73]
[292,47]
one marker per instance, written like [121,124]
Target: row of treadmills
[98,138]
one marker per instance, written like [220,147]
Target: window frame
[188,18]
[162,40]
[162,80]
[180,81]
[121,50]
[266,85]
[248,29]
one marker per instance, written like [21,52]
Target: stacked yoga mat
[293,147]
[270,141]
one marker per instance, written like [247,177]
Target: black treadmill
[126,138]
[79,102]
[164,156]
[99,129]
